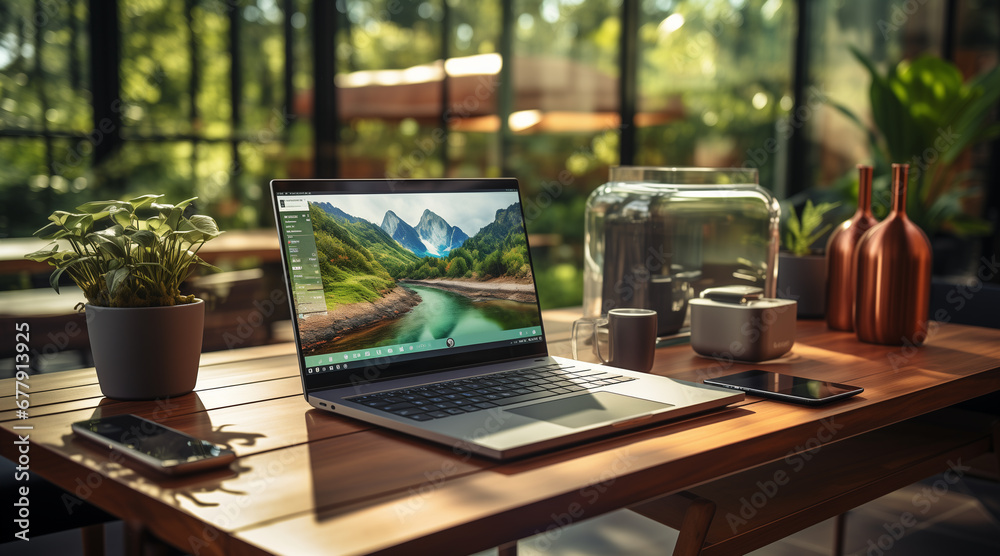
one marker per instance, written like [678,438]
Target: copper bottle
[841,273]
[894,275]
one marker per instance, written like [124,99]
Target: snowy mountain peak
[439,237]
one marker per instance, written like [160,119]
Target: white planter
[145,353]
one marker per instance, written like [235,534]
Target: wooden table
[307,482]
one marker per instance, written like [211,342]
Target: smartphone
[161,448]
[786,388]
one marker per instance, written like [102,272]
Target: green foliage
[457,268]
[491,267]
[927,117]
[802,234]
[130,253]
[355,259]
[513,262]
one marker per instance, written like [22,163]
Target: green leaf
[122,217]
[79,224]
[59,217]
[144,238]
[204,224]
[143,201]
[201,262]
[43,255]
[872,137]
[110,241]
[49,230]
[115,279]
[965,225]
[172,217]
[157,225]
[54,278]
[183,204]
[95,207]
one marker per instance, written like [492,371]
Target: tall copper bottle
[841,273]
[894,275]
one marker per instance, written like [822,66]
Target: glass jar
[657,237]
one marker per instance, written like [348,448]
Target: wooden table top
[308,482]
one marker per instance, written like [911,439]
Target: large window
[213,98]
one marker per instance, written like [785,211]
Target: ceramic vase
[894,275]
[841,273]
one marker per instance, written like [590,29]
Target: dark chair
[52,510]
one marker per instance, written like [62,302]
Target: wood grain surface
[310,482]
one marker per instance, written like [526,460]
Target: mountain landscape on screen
[404,234]
[437,235]
[387,276]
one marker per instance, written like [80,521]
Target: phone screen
[791,388]
[145,437]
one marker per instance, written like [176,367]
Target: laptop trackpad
[589,409]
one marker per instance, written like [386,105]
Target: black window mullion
[105,64]
[628,61]
[38,75]
[194,83]
[950,24]
[235,99]
[797,178]
[505,97]
[288,77]
[75,80]
[445,85]
[326,127]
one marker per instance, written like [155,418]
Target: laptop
[415,308]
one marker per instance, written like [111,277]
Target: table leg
[93,539]
[139,541]
[691,515]
[507,549]
[839,530]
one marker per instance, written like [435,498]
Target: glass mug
[628,336]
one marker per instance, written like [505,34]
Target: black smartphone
[161,448]
[786,388]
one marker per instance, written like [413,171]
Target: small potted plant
[130,258]
[801,267]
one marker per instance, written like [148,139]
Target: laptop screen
[395,277]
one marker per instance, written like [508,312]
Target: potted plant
[926,116]
[801,268]
[129,258]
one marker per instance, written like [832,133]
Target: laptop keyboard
[456,397]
